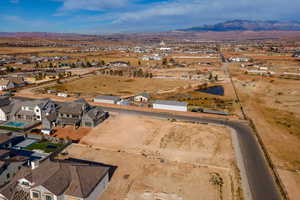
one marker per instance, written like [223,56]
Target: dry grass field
[119,85]
[162,159]
[21,50]
[274,106]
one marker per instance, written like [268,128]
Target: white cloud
[20,21]
[185,13]
[94,5]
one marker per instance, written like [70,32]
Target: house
[6,84]
[32,110]
[239,59]
[144,97]
[48,122]
[79,113]
[107,99]
[17,81]
[296,54]
[58,180]
[62,95]
[170,105]
[119,64]
[10,166]
[5,108]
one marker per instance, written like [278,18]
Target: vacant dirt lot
[162,159]
[119,85]
[176,141]
[139,177]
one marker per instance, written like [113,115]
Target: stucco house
[6,84]
[58,180]
[11,82]
[32,110]
[79,113]
[144,97]
[5,108]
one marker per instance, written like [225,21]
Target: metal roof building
[170,105]
[107,99]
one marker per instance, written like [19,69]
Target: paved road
[261,183]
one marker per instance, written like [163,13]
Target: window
[48,197]
[25,183]
[35,194]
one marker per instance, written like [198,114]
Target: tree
[165,61]
[172,60]
[140,73]
[10,69]
[60,75]
[88,64]
[37,65]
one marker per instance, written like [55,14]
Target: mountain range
[248,25]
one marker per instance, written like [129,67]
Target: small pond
[216,90]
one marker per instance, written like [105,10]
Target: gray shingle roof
[70,178]
[60,177]
[4,101]
[171,103]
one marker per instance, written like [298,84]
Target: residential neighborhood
[149,100]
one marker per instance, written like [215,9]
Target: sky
[123,16]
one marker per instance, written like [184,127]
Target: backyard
[47,147]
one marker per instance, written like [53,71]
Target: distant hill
[248,25]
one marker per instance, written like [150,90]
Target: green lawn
[47,147]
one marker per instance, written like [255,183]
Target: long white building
[170,105]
